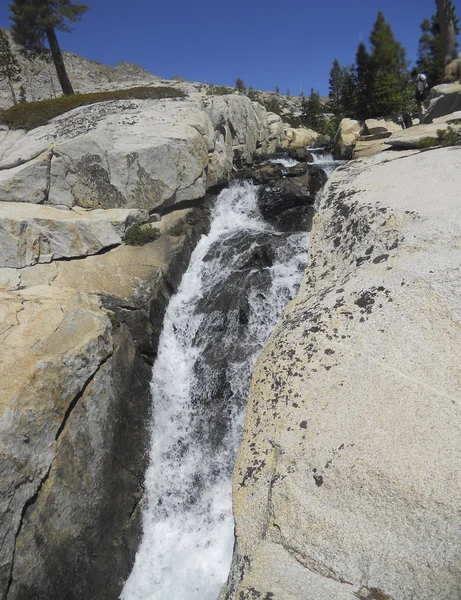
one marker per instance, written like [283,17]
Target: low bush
[30,115]
[137,235]
[445,137]
[219,90]
[177,229]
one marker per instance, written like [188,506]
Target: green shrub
[219,90]
[177,229]
[253,95]
[34,114]
[445,137]
[136,235]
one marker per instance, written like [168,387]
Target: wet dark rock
[224,335]
[283,195]
[298,218]
[301,154]
[263,174]
[317,178]
[296,170]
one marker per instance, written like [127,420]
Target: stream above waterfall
[240,277]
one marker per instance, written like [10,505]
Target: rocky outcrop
[348,132]
[31,234]
[78,339]
[298,138]
[346,484]
[382,125]
[415,136]
[131,154]
[376,132]
[443,100]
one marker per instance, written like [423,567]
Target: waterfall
[240,277]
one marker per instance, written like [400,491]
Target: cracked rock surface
[78,339]
[347,481]
[31,234]
[131,153]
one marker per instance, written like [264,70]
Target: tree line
[379,83]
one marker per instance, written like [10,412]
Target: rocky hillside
[40,82]
[347,481]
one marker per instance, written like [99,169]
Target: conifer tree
[9,66]
[388,70]
[335,89]
[349,93]
[363,76]
[240,85]
[35,21]
[313,111]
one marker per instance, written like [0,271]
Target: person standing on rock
[422,89]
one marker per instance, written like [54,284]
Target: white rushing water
[187,542]
[324,159]
[285,161]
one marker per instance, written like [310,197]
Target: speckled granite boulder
[347,481]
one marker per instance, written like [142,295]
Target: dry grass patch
[34,114]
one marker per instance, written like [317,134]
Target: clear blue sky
[265,43]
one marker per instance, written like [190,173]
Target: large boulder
[275,126]
[382,125]
[347,481]
[370,145]
[131,153]
[452,72]
[298,137]
[348,132]
[443,100]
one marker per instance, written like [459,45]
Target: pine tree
[335,88]
[388,70]
[9,66]
[35,21]
[364,81]
[312,111]
[240,85]
[349,93]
